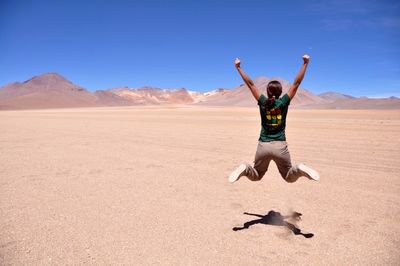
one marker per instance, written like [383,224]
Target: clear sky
[354,44]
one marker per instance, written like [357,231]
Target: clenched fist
[306,58]
[237,62]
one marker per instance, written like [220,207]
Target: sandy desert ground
[146,185]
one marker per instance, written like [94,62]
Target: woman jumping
[272,142]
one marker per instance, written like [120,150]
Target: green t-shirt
[273,121]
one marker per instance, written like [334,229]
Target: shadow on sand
[275,218]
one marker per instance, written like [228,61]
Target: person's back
[272,141]
[273,119]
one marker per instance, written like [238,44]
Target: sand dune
[124,185]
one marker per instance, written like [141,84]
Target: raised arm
[293,88]
[253,88]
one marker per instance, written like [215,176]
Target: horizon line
[374,96]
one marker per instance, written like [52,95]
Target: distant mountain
[109,98]
[343,101]
[51,90]
[332,96]
[154,96]
[241,95]
[360,103]
[45,91]
[208,97]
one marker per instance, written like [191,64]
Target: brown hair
[274,90]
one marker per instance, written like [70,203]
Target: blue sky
[354,45]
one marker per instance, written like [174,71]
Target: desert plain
[148,186]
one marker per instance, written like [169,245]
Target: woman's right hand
[237,62]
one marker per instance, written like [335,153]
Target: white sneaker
[310,173]
[237,173]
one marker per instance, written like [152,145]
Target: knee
[287,175]
[254,178]
[257,177]
[290,178]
